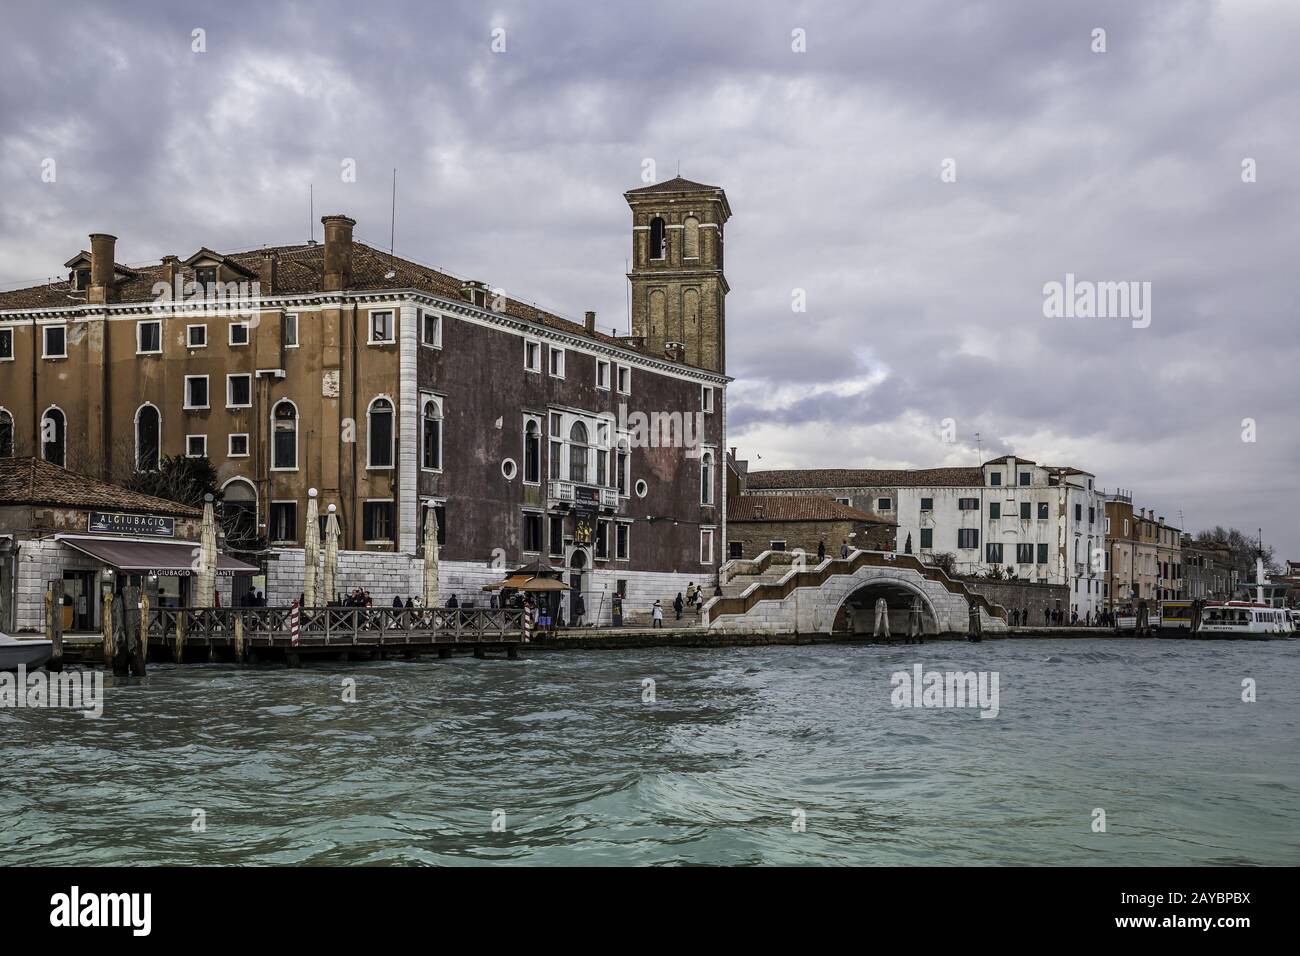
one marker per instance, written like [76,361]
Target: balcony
[572,492]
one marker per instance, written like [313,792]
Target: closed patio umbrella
[430,557]
[311,552]
[331,555]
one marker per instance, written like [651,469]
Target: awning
[164,558]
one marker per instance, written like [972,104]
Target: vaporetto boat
[1247,620]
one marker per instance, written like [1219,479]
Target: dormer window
[205,276]
[80,279]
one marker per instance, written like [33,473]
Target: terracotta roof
[299,271]
[1001,459]
[867,478]
[33,481]
[794,508]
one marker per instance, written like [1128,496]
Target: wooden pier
[136,631]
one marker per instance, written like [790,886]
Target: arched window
[6,434]
[54,436]
[578,452]
[380,432]
[691,238]
[148,431]
[431,436]
[706,478]
[532,452]
[284,441]
[658,239]
[238,513]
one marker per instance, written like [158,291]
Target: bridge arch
[856,612]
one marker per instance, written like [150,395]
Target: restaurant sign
[155,526]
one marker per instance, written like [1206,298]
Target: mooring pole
[54,624]
[106,625]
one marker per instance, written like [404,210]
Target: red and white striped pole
[294,615]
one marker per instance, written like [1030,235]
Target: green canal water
[562,750]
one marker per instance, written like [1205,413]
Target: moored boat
[21,651]
[1243,620]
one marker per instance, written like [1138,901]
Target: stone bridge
[790,593]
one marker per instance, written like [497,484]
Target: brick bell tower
[678,289]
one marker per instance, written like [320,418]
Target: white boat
[29,653]
[1245,620]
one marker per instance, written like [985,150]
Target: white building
[1036,522]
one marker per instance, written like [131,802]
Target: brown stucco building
[758,523]
[394,388]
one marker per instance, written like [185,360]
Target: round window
[509,468]
[642,489]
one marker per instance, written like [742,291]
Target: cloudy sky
[924,297]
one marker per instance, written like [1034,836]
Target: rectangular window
[968,504]
[381,328]
[238,333]
[624,380]
[196,391]
[237,446]
[205,276]
[532,356]
[284,521]
[993,553]
[622,542]
[1024,479]
[995,478]
[239,391]
[735,550]
[1024,510]
[532,532]
[602,374]
[557,535]
[148,338]
[6,345]
[968,539]
[289,330]
[1042,554]
[556,456]
[706,398]
[995,509]
[377,521]
[602,541]
[56,341]
[196,336]
[196,446]
[927,538]
[1078,512]
[1092,515]
[1044,510]
[884,504]
[557,362]
[776,545]
[1024,554]
[927,504]
[431,329]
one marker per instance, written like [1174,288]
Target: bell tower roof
[679,186]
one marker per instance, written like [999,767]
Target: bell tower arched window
[658,239]
[691,238]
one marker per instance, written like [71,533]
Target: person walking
[821,551]
[657,614]
[579,609]
[691,592]
[678,604]
[844,548]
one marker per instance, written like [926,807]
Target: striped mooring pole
[294,615]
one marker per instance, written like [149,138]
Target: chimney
[591,321]
[171,269]
[338,252]
[103,248]
[266,272]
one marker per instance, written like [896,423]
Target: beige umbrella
[311,552]
[430,557]
[331,555]
[206,583]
